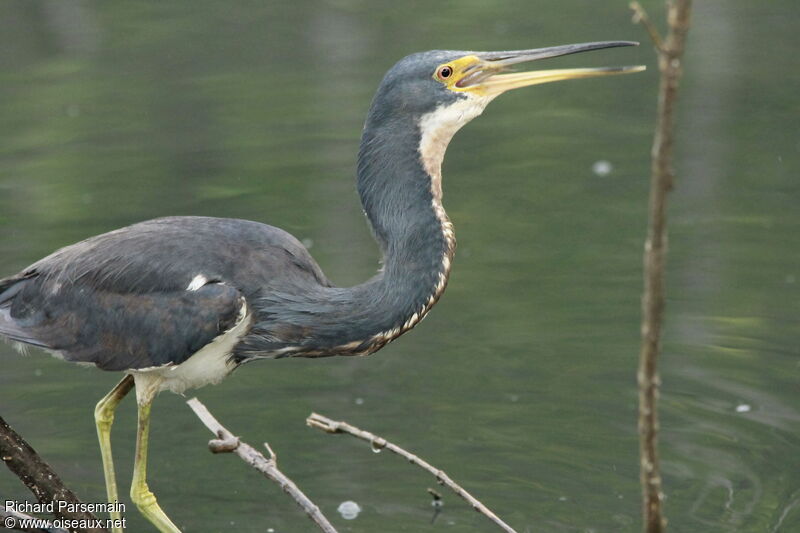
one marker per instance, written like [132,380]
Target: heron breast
[207,366]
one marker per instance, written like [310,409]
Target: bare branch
[227,442]
[661,182]
[378,443]
[640,17]
[37,475]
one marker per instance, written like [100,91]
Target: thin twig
[40,479]
[670,53]
[378,443]
[437,503]
[640,17]
[227,442]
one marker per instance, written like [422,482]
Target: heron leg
[104,417]
[140,492]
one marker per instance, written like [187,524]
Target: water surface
[521,382]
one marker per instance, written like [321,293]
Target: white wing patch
[197,282]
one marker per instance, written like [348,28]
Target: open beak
[482,74]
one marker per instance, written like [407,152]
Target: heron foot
[147,504]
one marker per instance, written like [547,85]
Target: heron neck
[403,204]
[401,195]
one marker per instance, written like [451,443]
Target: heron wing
[117,331]
[122,300]
[166,254]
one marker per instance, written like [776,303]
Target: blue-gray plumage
[179,302]
[120,300]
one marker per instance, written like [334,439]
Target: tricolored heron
[180,302]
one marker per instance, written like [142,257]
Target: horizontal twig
[226,442]
[379,443]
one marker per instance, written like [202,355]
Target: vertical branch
[670,52]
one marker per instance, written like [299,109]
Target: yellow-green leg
[140,493]
[104,417]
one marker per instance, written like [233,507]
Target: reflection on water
[521,382]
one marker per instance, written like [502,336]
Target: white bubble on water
[349,510]
[602,168]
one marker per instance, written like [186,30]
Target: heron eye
[445,72]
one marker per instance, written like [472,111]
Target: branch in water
[37,475]
[226,442]
[670,52]
[379,443]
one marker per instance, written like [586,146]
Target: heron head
[442,90]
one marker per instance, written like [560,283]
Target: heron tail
[10,330]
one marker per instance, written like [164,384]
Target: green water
[521,382]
